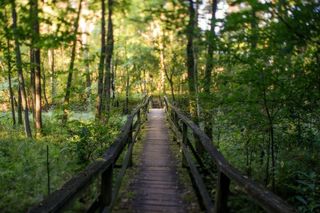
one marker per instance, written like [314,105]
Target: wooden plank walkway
[156,186]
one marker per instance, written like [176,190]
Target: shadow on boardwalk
[156,186]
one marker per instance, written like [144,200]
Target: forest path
[156,186]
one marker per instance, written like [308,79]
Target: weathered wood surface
[156,186]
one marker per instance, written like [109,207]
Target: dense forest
[246,71]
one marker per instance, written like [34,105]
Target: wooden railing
[192,159]
[101,170]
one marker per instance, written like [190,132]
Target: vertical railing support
[198,145]
[184,141]
[129,141]
[106,187]
[222,193]
[139,117]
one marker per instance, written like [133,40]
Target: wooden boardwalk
[156,186]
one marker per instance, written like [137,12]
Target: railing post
[222,192]
[146,109]
[198,145]
[139,117]
[129,141]
[184,141]
[176,121]
[106,187]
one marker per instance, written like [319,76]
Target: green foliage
[23,163]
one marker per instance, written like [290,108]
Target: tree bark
[194,104]
[53,77]
[44,91]
[113,80]
[8,58]
[32,97]
[211,47]
[19,69]
[109,52]
[9,81]
[126,109]
[190,49]
[36,62]
[271,132]
[101,63]
[20,122]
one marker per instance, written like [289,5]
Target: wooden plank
[156,186]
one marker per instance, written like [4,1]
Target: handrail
[103,167]
[269,201]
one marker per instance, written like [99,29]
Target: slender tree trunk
[170,80]
[101,63]
[210,40]
[9,81]
[19,106]
[267,162]
[36,59]
[271,132]
[190,49]
[126,110]
[71,66]
[8,58]
[53,75]
[19,69]
[162,63]
[44,91]
[191,64]
[32,97]
[109,52]
[172,90]
[113,79]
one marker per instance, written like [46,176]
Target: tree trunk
[162,64]
[9,81]
[19,106]
[113,80]
[32,97]
[109,52]
[190,54]
[126,109]
[8,58]
[192,65]
[271,132]
[44,91]
[19,69]
[70,70]
[53,77]
[170,80]
[210,39]
[36,60]
[101,63]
